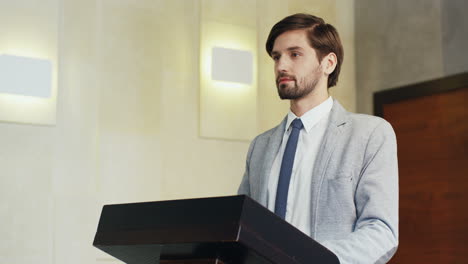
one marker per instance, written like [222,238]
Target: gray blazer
[354,185]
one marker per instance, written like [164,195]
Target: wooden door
[431,124]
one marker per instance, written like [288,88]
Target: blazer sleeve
[244,187]
[375,236]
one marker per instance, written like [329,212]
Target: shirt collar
[313,116]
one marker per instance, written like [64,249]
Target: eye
[275,57]
[295,54]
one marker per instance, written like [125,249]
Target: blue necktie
[286,169]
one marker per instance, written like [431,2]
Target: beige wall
[127,116]
[26,152]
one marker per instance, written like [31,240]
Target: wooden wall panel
[432,135]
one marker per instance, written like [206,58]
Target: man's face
[297,68]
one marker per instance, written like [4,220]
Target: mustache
[283,75]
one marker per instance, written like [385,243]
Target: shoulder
[372,134]
[265,136]
[267,133]
[359,124]
[361,133]
[369,123]
[267,139]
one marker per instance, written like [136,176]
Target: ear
[329,63]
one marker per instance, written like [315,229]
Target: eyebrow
[288,49]
[295,48]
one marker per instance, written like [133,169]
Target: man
[330,173]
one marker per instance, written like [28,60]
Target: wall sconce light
[231,65]
[228,81]
[25,76]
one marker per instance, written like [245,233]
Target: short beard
[292,93]
[295,92]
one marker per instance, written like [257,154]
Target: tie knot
[297,123]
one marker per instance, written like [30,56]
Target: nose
[281,65]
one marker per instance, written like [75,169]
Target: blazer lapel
[338,118]
[272,148]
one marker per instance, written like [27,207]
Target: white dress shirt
[298,208]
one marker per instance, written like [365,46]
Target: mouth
[284,80]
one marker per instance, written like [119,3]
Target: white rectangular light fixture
[25,76]
[228,81]
[231,65]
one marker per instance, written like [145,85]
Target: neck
[302,105]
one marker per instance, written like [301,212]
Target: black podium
[232,229]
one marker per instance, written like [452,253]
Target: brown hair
[322,37]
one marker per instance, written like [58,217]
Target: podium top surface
[235,228]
